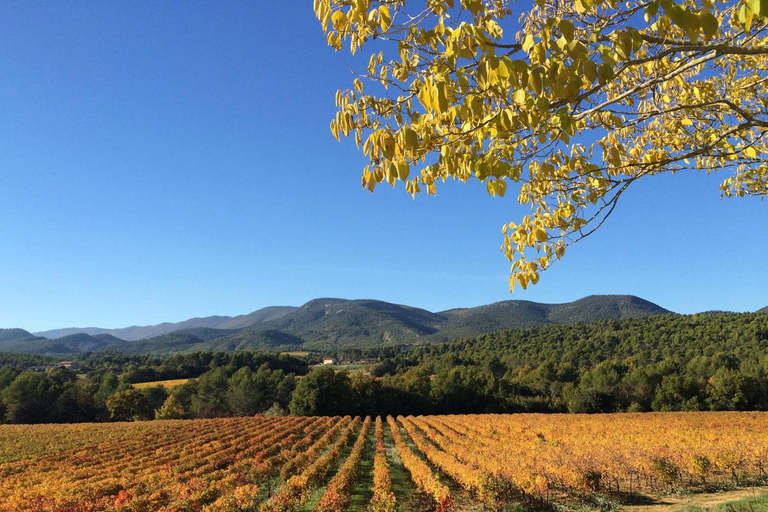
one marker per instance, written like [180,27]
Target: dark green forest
[710,361]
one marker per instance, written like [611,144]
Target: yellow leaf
[411,139]
[384,18]
[339,20]
[527,43]
[403,169]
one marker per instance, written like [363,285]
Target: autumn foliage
[276,464]
[565,103]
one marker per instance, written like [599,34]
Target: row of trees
[225,385]
[54,397]
[242,393]
[669,362]
[717,382]
[714,383]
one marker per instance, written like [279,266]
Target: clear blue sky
[163,160]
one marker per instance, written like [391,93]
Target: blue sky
[160,161]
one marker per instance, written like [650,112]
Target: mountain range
[135,332]
[325,324]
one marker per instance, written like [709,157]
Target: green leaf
[473,6]
[650,11]
[566,28]
[590,71]
[604,73]
[536,80]
[411,139]
[709,24]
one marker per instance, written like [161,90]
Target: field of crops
[167,384]
[327,464]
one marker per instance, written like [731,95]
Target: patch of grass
[350,367]
[309,505]
[317,494]
[752,504]
[361,493]
[409,499]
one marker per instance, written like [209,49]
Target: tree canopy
[573,102]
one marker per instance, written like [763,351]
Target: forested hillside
[668,362]
[643,340]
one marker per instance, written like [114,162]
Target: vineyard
[442,463]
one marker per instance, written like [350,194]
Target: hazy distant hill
[763,310]
[170,343]
[329,324]
[15,334]
[72,344]
[136,332]
[19,340]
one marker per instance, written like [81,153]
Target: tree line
[101,389]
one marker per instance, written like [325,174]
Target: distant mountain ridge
[136,333]
[511,314]
[325,324]
[15,334]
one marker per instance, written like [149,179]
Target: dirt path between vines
[703,500]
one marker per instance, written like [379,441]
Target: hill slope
[72,344]
[644,340]
[339,323]
[196,339]
[15,334]
[257,317]
[513,314]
